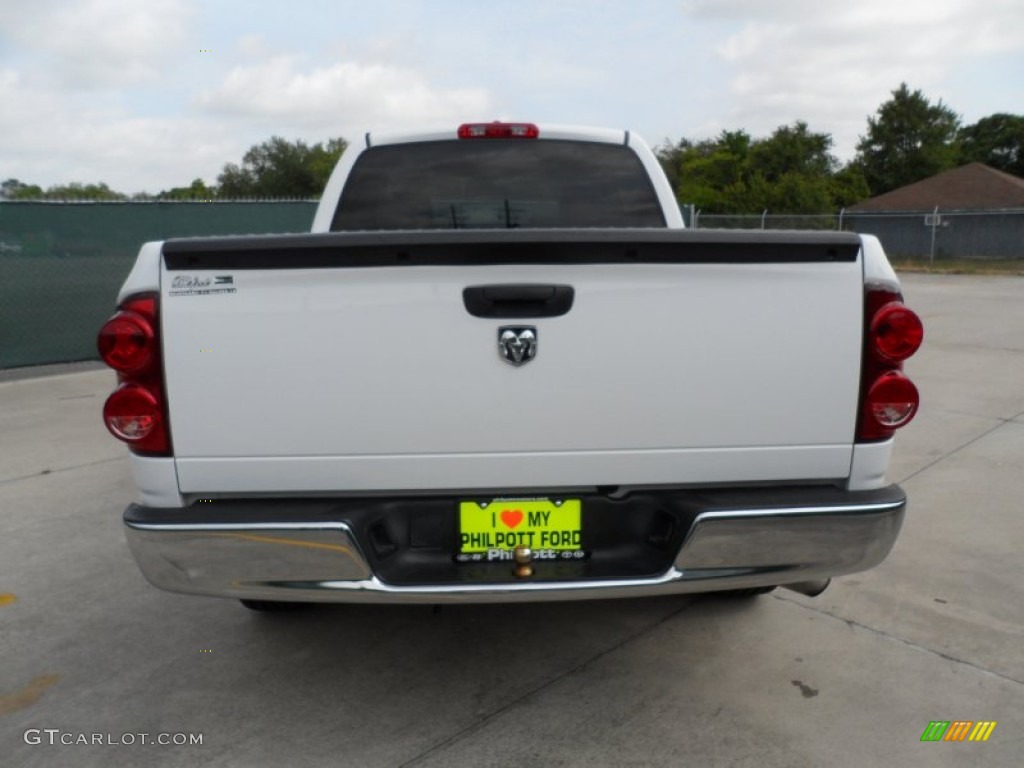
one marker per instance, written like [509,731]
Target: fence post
[841,212]
[764,215]
[696,217]
[935,221]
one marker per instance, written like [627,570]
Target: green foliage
[78,191]
[849,186]
[792,171]
[12,189]
[908,139]
[197,190]
[996,140]
[793,150]
[709,173]
[671,156]
[279,168]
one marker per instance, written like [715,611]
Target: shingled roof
[975,186]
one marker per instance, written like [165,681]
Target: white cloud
[832,64]
[347,95]
[53,138]
[100,43]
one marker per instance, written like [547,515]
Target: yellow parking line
[27,696]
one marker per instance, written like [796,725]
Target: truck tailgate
[349,361]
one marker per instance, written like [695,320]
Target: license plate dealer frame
[491,530]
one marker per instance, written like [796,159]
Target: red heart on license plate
[512,517]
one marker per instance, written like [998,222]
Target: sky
[149,94]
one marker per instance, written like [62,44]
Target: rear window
[497,183]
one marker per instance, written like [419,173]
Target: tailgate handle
[518,300]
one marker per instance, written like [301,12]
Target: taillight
[892,333]
[893,400]
[137,410]
[896,332]
[126,342]
[498,130]
[133,414]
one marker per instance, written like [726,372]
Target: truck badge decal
[194,285]
[517,345]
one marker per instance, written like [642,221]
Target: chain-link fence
[944,235]
[764,221]
[61,264]
[934,236]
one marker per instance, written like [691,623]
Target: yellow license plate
[502,525]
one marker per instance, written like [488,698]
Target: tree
[848,186]
[908,139]
[793,149]
[322,160]
[195,191]
[710,173]
[996,140]
[791,171]
[12,189]
[796,166]
[671,157]
[279,168]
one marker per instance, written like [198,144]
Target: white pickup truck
[500,369]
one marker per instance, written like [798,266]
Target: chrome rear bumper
[322,561]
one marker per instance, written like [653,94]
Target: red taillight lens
[498,130]
[896,332]
[892,333]
[892,400]
[134,414]
[126,342]
[130,344]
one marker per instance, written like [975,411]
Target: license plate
[491,530]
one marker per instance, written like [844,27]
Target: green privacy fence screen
[61,264]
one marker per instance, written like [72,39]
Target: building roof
[975,186]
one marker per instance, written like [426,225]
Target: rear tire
[270,606]
[746,594]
